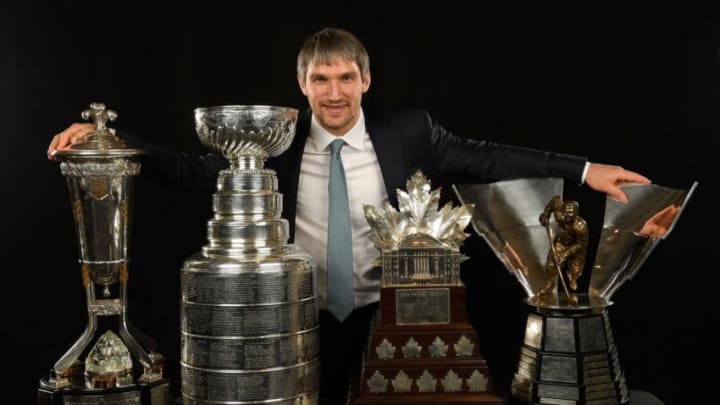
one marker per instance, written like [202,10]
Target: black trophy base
[156,393]
[569,357]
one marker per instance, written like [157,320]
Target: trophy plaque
[422,348]
[111,363]
[568,355]
[249,316]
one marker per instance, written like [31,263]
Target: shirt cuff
[584,173]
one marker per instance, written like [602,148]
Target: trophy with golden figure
[422,348]
[568,355]
[111,362]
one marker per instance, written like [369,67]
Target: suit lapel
[287,166]
[389,150]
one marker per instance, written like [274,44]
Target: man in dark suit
[381,150]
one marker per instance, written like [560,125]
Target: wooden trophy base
[423,350]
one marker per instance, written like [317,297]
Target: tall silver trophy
[111,363]
[249,315]
[568,355]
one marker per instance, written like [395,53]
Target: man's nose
[335,90]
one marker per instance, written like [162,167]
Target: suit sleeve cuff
[584,173]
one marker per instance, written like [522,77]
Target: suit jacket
[408,140]
[404,140]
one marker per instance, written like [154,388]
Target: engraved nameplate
[125,398]
[242,385]
[414,306]
[257,320]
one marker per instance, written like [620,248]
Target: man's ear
[366,82]
[301,83]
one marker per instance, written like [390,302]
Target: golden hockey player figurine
[568,248]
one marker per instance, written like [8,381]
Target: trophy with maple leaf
[568,355]
[422,348]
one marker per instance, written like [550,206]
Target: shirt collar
[355,137]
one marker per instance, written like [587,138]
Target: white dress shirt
[365,186]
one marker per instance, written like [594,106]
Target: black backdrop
[620,83]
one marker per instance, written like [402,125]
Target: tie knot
[335,147]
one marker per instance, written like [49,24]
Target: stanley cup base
[156,393]
[569,357]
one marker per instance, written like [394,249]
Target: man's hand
[659,224]
[68,137]
[608,178]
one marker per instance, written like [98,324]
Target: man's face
[334,93]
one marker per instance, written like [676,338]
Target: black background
[623,83]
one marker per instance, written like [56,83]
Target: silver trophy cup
[249,314]
[568,355]
[111,362]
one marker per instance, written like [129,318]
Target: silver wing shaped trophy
[568,353]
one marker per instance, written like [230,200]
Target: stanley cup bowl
[245,133]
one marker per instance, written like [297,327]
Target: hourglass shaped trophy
[568,355]
[111,363]
[249,316]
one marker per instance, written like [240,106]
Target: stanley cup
[249,315]
[568,354]
[111,362]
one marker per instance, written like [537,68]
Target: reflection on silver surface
[506,216]
[249,316]
[631,231]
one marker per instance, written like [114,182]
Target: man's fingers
[53,143]
[616,193]
[70,136]
[630,176]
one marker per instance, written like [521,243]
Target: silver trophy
[111,363]
[249,314]
[568,355]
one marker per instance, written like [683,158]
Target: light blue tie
[340,291]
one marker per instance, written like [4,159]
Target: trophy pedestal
[568,356]
[423,350]
[156,393]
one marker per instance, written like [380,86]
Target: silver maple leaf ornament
[420,243]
